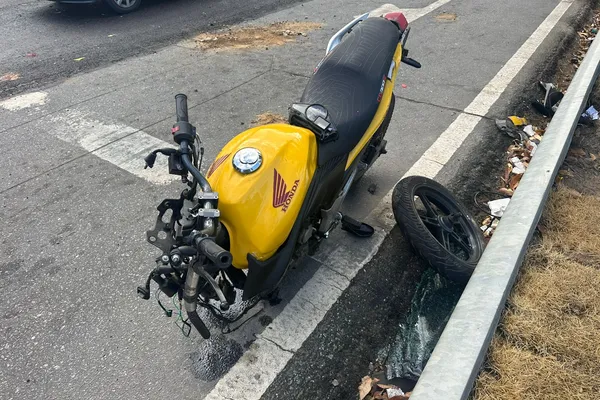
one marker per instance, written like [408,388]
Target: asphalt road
[58,34]
[76,201]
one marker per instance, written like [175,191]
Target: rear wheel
[123,6]
[438,226]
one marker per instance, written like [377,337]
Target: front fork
[190,301]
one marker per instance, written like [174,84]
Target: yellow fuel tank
[259,208]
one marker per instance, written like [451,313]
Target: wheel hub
[446,222]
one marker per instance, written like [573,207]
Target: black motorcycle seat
[349,80]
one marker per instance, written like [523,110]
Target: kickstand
[357,228]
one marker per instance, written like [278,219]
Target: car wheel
[123,6]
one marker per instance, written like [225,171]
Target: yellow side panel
[381,110]
[260,208]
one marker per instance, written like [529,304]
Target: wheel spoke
[428,206]
[446,240]
[459,241]
[430,221]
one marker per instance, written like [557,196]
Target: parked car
[118,6]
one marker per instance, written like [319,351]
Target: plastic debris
[31,55]
[404,86]
[79,59]
[551,101]
[529,130]
[591,113]
[517,121]
[518,166]
[391,392]
[508,127]
[497,207]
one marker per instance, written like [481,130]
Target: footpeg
[357,228]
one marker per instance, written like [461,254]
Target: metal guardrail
[457,358]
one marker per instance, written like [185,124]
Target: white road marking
[412,14]
[24,101]
[120,145]
[434,159]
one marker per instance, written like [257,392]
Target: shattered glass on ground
[430,310]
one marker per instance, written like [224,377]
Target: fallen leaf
[593,157]
[506,192]
[514,181]
[365,387]
[9,77]
[111,35]
[507,172]
[385,386]
[79,59]
[577,152]
[565,172]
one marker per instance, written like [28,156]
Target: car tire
[123,6]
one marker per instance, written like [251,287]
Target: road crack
[443,107]
[277,345]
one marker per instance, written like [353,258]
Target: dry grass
[523,375]
[570,222]
[269,118]
[251,37]
[548,343]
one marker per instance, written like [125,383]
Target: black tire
[123,6]
[454,246]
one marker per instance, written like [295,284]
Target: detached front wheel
[123,6]
[438,226]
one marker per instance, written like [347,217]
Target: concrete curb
[457,358]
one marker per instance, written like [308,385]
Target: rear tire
[123,6]
[444,233]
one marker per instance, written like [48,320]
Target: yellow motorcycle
[274,192]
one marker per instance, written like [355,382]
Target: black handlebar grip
[181,108]
[218,255]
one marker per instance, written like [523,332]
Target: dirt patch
[269,118]
[9,77]
[252,37]
[446,17]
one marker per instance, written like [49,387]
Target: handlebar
[181,108]
[219,256]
